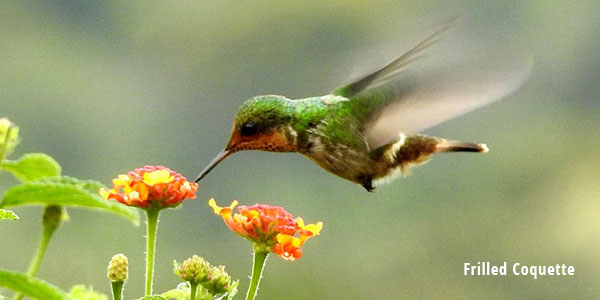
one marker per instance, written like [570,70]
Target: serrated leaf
[32,166]
[91,186]
[30,286]
[65,191]
[6,214]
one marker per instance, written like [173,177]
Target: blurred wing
[414,101]
[388,71]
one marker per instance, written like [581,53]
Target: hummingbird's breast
[338,158]
[370,167]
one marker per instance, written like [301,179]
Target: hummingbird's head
[261,123]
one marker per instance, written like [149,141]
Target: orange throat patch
[274,141]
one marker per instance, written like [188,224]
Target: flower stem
[4,146]
[47,233]
[41,251]
[257,269]
[117,290]
[193,287]
[151,222]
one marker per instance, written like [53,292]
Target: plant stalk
[4,146]
[193,288]
[152,223]
[257,268]
[117,290]
[47,233]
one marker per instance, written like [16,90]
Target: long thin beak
[220,157]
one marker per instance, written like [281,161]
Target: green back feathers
[330,115]
[309,112]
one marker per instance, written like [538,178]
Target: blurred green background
[105,87]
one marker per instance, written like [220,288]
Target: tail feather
[413,150]
[456,146]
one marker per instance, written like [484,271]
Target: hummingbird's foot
[367,182]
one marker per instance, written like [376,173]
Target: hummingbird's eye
[249,128]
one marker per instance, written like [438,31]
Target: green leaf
[65,191]
[32,166]
[182,292]
[81,292]
[6,214]
[175,295]
[153,297]
[30,286]
[232,292]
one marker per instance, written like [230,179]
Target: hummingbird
[368,131]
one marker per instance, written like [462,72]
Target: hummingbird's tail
[413,150]
[455,146]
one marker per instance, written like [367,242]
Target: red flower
[270,228]
[156,186]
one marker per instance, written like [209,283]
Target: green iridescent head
[261,123]
[262,114]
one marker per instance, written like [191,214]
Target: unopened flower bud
[53,216]
[117,268]
[9,136]
[194,269]
[218,281]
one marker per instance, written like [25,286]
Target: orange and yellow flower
[154,186]
[270,228]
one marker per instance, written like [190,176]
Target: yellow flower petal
[122,180]
[233,204]
[105,193]
[212,203]
[158,177]
[217,209]
[285,239]
[252,214]
[314,228]
[240,219]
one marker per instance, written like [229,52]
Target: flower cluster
[154,186]
[196,270]
[270,228]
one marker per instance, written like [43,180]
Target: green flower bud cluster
[9,136]
[117,268]
[196,270]
[219,281]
